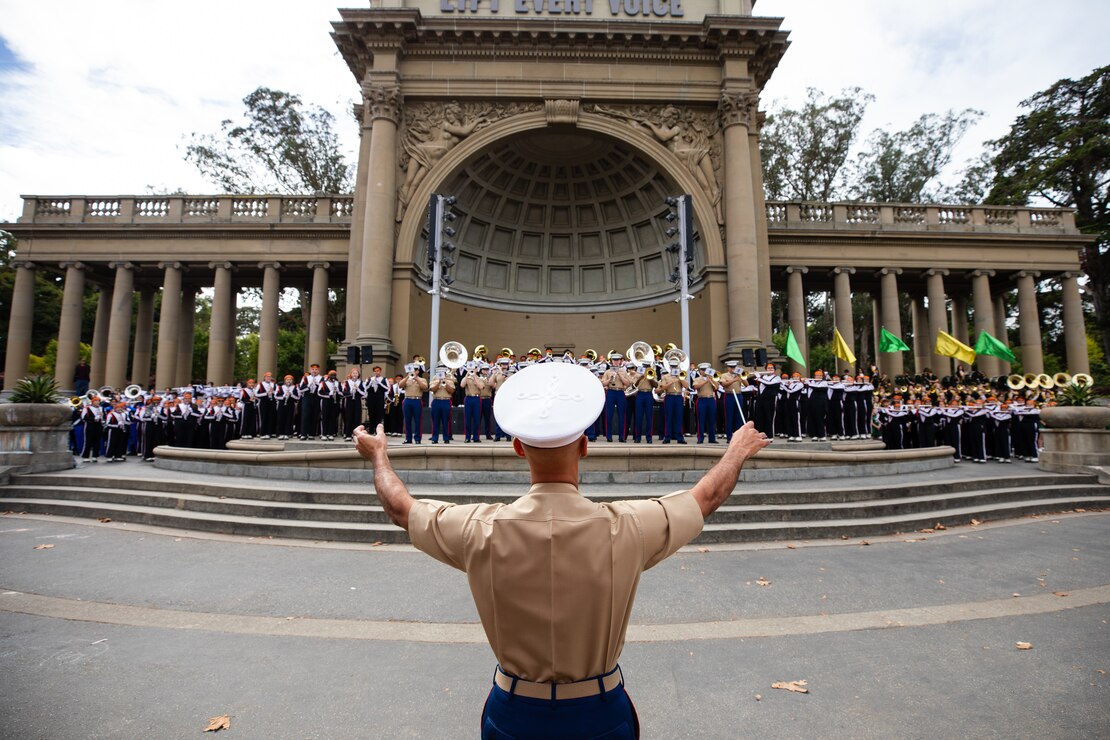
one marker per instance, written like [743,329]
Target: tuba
[1032,381]
[506,352]
[591,354]
[641,353]
[1061,379]
[1015,382]
[132,392]
[1083,380]
[480,352]
[678,357]
[1046,381]
[453,354]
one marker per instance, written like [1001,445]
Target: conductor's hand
[369,445]
[747,441]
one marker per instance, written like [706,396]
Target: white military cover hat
[548,405]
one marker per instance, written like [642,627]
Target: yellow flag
[949,346]
[841,348]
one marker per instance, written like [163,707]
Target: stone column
[1075,332]
[1029,318]
[268,322]
[165,370]
[119,326]
[842,312]
[69,325]
[938,318]
[99,358]
[20,321]
[984,316]
[959,318]
[922,352]
[763,250]
[233,334]
[875,334]
[318,316]
[185,336]
[144,338]
[382,94]
[892,363]
[1000,332]
[738,116]
[218,326]
[358,226]
[796,312]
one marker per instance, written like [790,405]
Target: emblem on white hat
[549,404]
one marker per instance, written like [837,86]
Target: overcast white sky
[99,98]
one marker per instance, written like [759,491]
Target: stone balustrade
[187,209]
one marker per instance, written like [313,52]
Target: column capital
[218,265]
[940,271]
[316,263]
[889,271]
[1071,274]
[73,263]
[739,108]
[272,263]
[382,99]
[982,273]
[124,264]
[1025,273]
[171,265]
[843,271]
[27,264]
[797,268]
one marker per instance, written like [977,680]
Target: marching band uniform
[249,396]
[286,397]
[765,402]
[674,387]
[472,385]
[953,429]
[149,419]
[835,420]
[485,392]
[852,403]
[183,414]
[1026,419]
[897,419]
[706,388]
[394,415]
[329,406]
[353,392]
[267,407]
[865,403]
[731,382]
[792,391]
[374,388]
[615,380]
[413,387]
[976,434]
[92,418]
[496,380]
[212,420]
[1002,421]
[817,407]
[310,403]
[443,389]
[116,424]
[644,403]
[928,425]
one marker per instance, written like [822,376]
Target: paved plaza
[125,631]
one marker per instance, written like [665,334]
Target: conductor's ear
[518,447]
[583,446]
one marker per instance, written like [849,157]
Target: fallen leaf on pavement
[1059,593]
[703,549]
[104,519]
[1101,672]
[798,687]
[975,522]
[1025,646]
[865,543]
[1080,511]
[376,543]
[1016,595]
[759,697]
[215,724]
[926,531]
[843,536]
[939,527]
[791,547]
[763,581]
[43,547]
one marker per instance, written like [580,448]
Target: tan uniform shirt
[706,387]
[473,384]
[414,387]
[554,574]
[443,388]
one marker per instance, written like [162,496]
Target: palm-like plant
[35,389]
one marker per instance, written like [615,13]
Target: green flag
[890,343]
[988,345]
[793,351]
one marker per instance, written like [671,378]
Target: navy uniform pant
[707,419]
[487,416]
[734,413]
[441,419]
[615,405]
[472,415]
[672,415]
[412,409]
[641,421]
[609,715]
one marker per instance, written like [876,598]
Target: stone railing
[866,216]
[187,209]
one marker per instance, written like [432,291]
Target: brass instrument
[454,355]
[506,352]
[669,347]
[77,401]
[107,391]
[650,373]
[132,392]
[480,352]
[678,357]
[1046,381]
[591,355]
[657,350]
[1083,380]
[1032,381]
[683,374]
[1015,382]
[91,394]
[641,353]
[1061,379]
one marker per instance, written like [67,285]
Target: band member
[92,418]
[212,419]
[249,398]
[793,392]
[644,403]
[929,419]
[953,416]
[1026,420]
[674,389]
[413,386]
[267,406]
[896,419]
[705,385]
[116,425]
[1002,422]
[286,397]
[150,419]
[329,405]
[310,402]
[486,394]
[731,383]
[767,384]
[497,378]
[394,416]
[352,394]
[375,387]
[817,406]
[615,380]
[472,385]
[975,433]
[442,388]
[834,419]
[184,416]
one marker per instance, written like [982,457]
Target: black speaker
[352,354]
[367,354]
[747,357]
[761,357]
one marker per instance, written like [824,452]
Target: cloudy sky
[99,98]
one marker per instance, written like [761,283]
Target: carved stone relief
[692,136]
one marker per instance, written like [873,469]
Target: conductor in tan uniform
[554,574]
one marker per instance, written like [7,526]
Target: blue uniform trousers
[441,419]
[513,717]
[672,417]
[641,420]
[707,419]
[734,413]
[412,409]
[472,414]
[616,403]
[487,416]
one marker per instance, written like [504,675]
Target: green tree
[804,149]
[1059,152]
[282,146]
[903,166]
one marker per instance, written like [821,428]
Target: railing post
[223,208]
[175,213]
[77,210]
[323,210]
[127,209]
